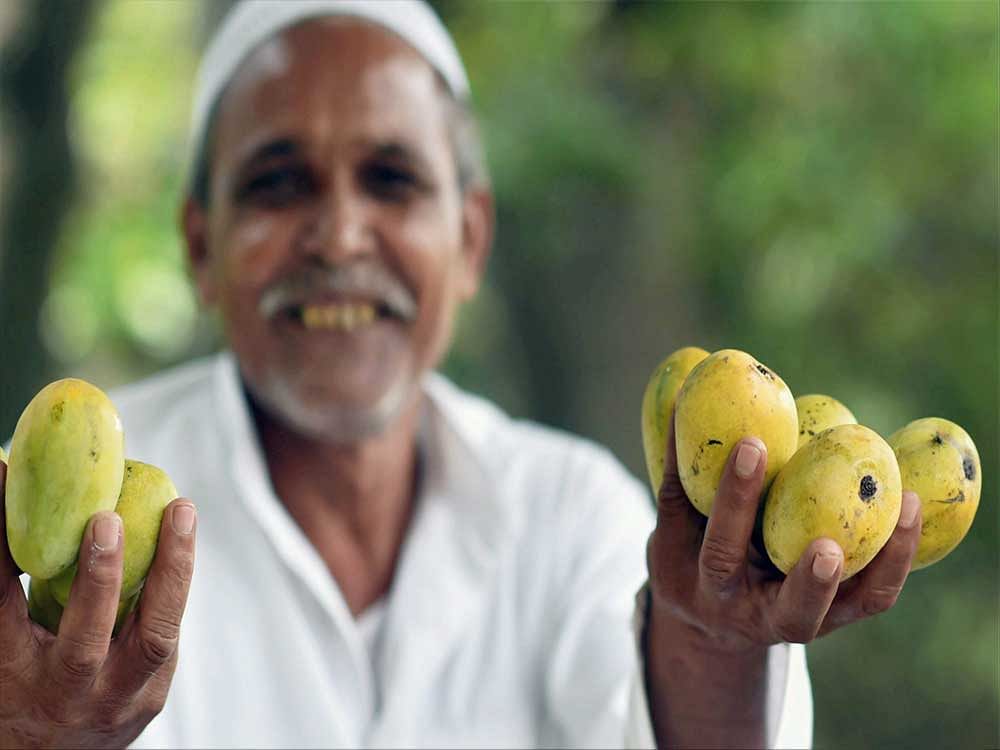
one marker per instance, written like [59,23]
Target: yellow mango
[729,395]
[844,485]
[146,492]
[658,407]
[66,463]
[3,456]
[938,460]
[818,412]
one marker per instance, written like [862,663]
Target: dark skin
[716,606]
[82,688]
[331,150]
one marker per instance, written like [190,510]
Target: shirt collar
[455,442]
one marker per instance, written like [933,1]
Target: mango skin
[66,463]
[938,460]
[47,612]
[818,412]
[146,492]
[844,485]
[729,395]
[3,456]
[658,407]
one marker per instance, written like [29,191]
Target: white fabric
[251,22]
[508,621]
[370,625]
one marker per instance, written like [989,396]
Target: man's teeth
[345,317]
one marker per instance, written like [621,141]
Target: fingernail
[183,519]
[747,458]
[107,532]
[908,513]
[825,566]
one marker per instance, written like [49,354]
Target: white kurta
[508,624]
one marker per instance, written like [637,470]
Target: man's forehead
[380,92]
[342,54]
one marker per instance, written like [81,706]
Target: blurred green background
[816,183]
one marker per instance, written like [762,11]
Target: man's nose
[343,228]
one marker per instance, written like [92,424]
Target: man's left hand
[717,604]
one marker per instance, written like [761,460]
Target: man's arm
[716,607]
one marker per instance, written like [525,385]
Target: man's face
[337,242]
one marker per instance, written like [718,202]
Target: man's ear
[194,225]
[478,220]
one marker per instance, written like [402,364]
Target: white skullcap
[251,22]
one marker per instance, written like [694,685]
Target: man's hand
[717,604]
[80,688]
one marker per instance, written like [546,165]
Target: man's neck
[353,501]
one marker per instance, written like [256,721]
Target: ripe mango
[66,463]
[844,484]
[658,407]
[818,412]
[146,492]
[938,460]
[729,395]
[47,612]
[3,456]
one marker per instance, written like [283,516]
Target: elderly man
[384,560]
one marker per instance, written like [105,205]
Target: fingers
[805,595]
[85,628]
[151,640]
[723,558]
[15,634]
[678,523]
[881,581]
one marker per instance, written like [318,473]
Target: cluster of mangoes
[826,475]
[67,462]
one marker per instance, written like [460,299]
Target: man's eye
[390,182]
[277,187]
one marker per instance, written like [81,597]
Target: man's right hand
[80,688]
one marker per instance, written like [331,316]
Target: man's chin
[335,421]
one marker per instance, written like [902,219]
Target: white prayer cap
[251,22]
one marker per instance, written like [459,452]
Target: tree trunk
[39,185]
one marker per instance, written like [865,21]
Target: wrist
[697,641]
[703,690]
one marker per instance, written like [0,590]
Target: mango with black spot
[729,395]
[818,412]
[938,460]
[844,485]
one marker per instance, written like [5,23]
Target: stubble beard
[335,423]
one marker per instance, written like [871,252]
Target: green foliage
[815,183]
[119,293]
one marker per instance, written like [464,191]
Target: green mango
[42,606]
[66,463]
[146,492]
[658,407]
[47,612]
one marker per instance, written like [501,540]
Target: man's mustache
[367,280]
